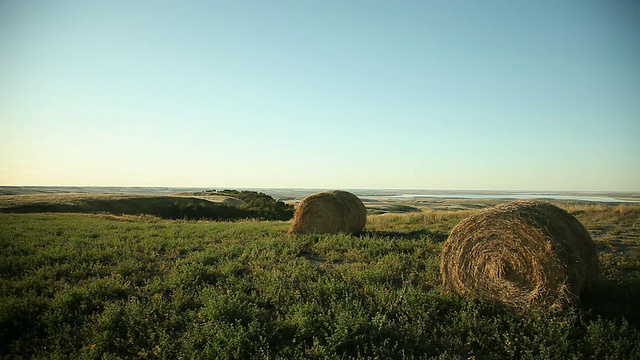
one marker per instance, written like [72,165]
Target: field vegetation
[99,286]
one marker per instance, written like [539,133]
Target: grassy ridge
[249,204]
[102,286]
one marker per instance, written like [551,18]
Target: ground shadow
[613,299]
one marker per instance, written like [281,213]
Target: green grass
[103,286]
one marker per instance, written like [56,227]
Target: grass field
[105,286]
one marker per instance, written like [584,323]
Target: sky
[469,95]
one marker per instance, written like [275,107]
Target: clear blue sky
[531,95]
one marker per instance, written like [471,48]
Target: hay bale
[523,254]
[329,212]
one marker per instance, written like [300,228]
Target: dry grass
[329,212]
[424,217]
[433,221]
[522,254]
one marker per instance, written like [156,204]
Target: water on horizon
[606,199]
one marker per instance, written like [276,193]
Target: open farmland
[104,286]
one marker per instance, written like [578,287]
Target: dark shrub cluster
[261,205]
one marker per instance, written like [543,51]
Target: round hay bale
[329,212]
[523,254]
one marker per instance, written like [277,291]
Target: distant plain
[376,200]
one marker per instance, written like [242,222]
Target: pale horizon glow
[492,95]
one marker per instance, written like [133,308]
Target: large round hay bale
[329,212]
[523,254]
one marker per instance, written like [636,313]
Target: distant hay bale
[523,254]
[329,212]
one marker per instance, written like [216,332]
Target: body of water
[590,198]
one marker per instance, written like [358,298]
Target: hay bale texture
[329,212]
[523,254]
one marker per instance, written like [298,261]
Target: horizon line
[317,188]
